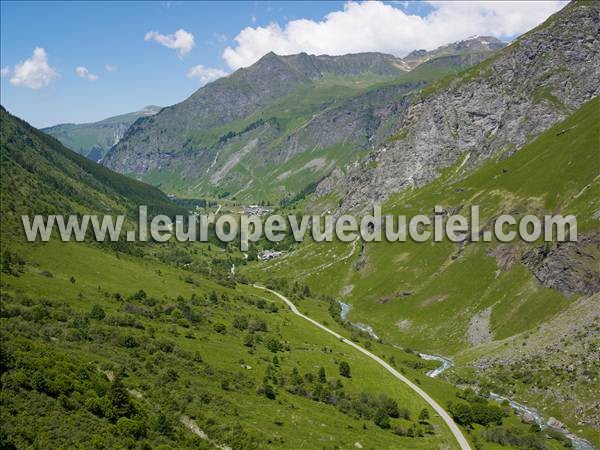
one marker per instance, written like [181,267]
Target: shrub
[131,428]
[345,369]
[97,313]
[381,418]
[220,328]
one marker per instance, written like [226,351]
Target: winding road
[458,435]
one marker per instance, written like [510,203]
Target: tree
[381,418]
[390,405]
[296,378]
[268,391]
[163,426]
[322,375]
[252,253]
[424,415]
[119,398]
[274,345]
[220,328]
[345,369]
[306,292]
[240,322]
[131,428]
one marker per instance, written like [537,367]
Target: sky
[76,62]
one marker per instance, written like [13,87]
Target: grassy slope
[424,295]
[40,175]
[288,422]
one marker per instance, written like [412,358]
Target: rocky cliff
[491,110]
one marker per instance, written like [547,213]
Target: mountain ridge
[94,139]
[276,102]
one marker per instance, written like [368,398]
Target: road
[458,435]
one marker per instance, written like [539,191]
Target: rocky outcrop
[494,108]
[569,267]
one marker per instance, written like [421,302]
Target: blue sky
[226,36]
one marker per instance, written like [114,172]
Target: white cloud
[84,73]
[34,73]
[5,71]
[182,41]
[110,67]
[205,74]
[376,26]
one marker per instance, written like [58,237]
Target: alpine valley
[382,345]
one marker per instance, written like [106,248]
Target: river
[446,363]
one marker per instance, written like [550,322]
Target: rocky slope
[490,110]
[556,364]
[286,105]
[95,139]
[472,45]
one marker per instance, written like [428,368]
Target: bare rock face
[570,267]
[494,108]
[479,328]
[556,424]
[506,256]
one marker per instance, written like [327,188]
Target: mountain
[94,139]
[41,176]
[496,107]
[265,132]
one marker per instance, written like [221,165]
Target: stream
[446,363]
[359,326]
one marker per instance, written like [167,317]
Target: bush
[381,418]
[220,328]
[345,369]
[274,345]
[131,428]
[97,313]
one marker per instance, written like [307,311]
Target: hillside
[265,132]
[41,176]
[114,349]
[495,308]
[95,139]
